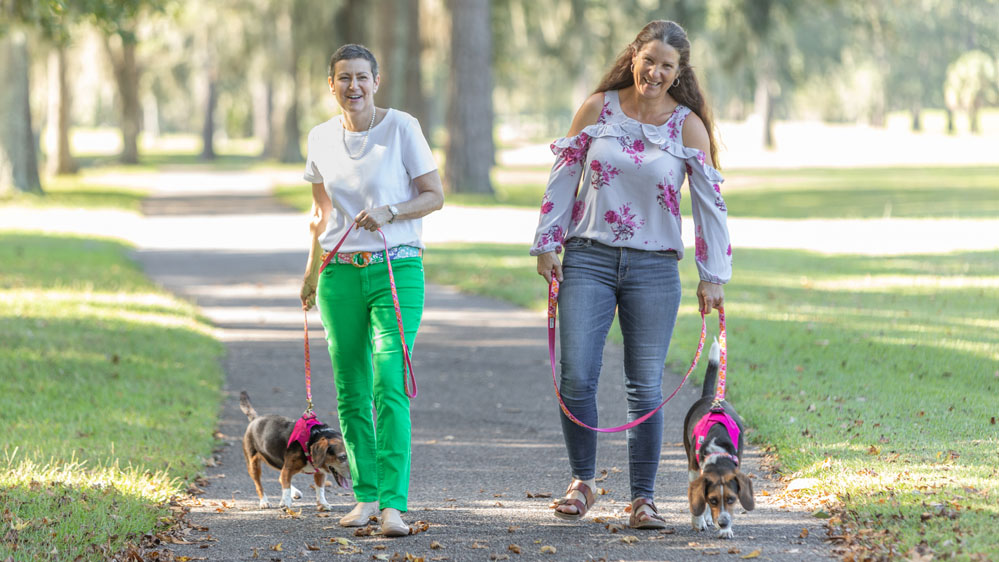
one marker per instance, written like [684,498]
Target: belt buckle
[360,260]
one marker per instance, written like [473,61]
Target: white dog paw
[698,522]
[296,493]
[324,506]
[264,504]
[725,533]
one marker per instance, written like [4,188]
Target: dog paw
[264,504]
[324,507]
[296,493]
[698,522]
[725,533]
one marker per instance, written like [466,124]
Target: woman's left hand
[373,219]
[709,295]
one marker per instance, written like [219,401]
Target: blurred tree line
[464,68]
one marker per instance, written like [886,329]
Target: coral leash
[408,376]
[552,314]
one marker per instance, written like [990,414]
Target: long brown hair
[687,91]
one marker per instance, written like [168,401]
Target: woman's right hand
[308,293]
[548,264]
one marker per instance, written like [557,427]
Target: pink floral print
[700,245]
[719,202]
[577,211]
[667,197]
[636,149]
[572,154]
[622,222]
[605,113]
[555,234]
[546,203]
[602,174]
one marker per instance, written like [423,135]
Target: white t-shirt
[396,153]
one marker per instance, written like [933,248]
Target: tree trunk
[263,118]
[470,150]
[126,74]
[973,125]
[208,127]
[18,159]
[351,21]
[400,50]
[951,129]
[917,122]
[60,160]
[764,101]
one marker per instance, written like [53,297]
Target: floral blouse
[618,182]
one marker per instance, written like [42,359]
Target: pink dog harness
[716,415]
[302,432]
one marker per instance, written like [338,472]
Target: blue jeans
[644,287]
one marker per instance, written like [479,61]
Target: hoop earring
[676,82]
[632,67]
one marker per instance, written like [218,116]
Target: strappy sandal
[581,508]
[643,519]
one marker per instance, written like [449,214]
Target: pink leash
[407,363]
[553,308]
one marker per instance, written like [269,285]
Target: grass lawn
[109,390]
[875,376]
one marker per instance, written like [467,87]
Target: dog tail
[244,404]
[711,375]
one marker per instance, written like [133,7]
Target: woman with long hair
[613,205]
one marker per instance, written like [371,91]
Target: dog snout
[724,520]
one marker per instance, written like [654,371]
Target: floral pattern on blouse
[602,174]
[669,197]
[622,223]
[618,182]
[634,148]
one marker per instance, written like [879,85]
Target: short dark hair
[354,51]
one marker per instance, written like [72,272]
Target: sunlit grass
[109,392]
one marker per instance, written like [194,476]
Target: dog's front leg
[701,522]
[320,479]
[286,488]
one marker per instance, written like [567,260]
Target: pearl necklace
[367,133]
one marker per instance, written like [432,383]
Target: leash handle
[553,309]
[408,375]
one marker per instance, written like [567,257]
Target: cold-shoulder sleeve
[560,195]
[712,247]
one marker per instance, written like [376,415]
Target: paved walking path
[485,428]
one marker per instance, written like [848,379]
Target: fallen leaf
[379,547]
[615,527]
[435,545]
[514,548]
[539,494]
[255,554]
[311,546]
[803,534]
[277,547]
[821,514]
[548,549]
[752,554]
[495,556]
[476,544]
[629,539]
[734,550]
[512,529]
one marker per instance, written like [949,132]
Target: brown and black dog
[266,439]
[714,456]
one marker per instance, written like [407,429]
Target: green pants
[363,335]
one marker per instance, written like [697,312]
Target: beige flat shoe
[360,515]
[392,523]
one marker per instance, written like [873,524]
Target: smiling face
[353,84]
[656,66]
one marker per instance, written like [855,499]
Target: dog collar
[734,459]
[715,415]
[302,432]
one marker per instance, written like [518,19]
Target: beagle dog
[713,439]
[293,447]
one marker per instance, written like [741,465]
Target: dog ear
[745,491]
[695,493]
[319,452]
